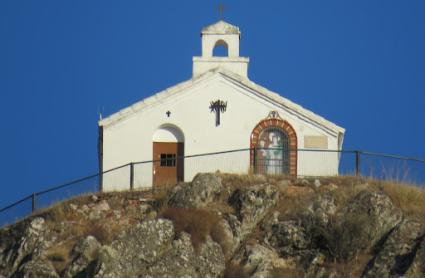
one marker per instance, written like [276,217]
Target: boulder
[97,211]
[176,263]
[379,213]
[397,252]
[199,193]
[183,261]
[84,253]
[108,264]
[144,243]
[323,207]
[291,241]
[417,268]
[287,237]
[37,268]
[30,241]
[260,261]
[252,203]
[148,250]
[131,253]
[361,225]
[209,261]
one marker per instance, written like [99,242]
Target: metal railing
[309,163]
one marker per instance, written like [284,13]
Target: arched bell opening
[221,49]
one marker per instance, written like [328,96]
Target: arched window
[273,145]
[221,49]
[272,152]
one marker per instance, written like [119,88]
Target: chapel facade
[218,109]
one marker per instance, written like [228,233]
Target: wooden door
[169,163]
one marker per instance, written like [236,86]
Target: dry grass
[60,256]
[221,206]
[104,231]
[287,273]
[234,270]
[410,199]
[353,268]
[199,223]
[344,194]
[293,202]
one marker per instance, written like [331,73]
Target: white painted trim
[254,88]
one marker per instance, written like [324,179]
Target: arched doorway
[274,147]
[168,153]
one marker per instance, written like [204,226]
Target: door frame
[176,148]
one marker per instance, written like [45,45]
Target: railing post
[100,181]
[357,163]
[34,201]
[254,161]
[131,176]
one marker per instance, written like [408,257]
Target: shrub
[343,238]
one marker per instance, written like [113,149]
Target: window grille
[168,159]
[272,152]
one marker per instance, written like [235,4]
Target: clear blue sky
[360,64]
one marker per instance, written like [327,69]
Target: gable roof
[262,92]
[221,28]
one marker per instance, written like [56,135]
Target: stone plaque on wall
[316,142]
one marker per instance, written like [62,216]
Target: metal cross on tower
[221,10]
[218,106]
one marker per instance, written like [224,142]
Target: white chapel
[244,127]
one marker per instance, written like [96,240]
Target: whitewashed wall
[130,139]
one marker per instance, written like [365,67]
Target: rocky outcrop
[84,253]
[37,268]
[30,244]
[144,244]
[260,261]
[184,261]
[199,228]
[149,250]
[200,192]
[323,207]
[398,251]
[288,238]
[417,268]
[379,213]
[251,205]
[108,264]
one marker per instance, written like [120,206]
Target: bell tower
[215,35]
